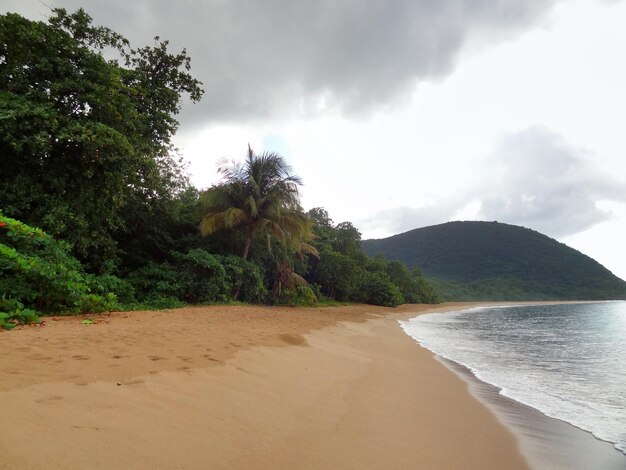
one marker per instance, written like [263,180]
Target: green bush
[198,276]
[37,270]
[192,277]
[243,277]
[110,284]
[155,281]
[94,303]
[13,313]
[376,288]
[299,296]
[202,277]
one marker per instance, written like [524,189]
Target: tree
[82,137]
[262,196]
[336,274]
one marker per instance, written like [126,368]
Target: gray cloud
[534,179]
[540,181]
[285,57]
[402,219]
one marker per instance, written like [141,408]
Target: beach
[240,387]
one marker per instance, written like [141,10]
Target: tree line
[96,209]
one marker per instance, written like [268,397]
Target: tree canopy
[262,195]
[83,136]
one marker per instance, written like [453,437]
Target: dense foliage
[262,196]
[343,272]
[85,139]
[96,209]
[490,260]
[38,274]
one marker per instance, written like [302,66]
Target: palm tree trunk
[246,249]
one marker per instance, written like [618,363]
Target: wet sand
[239,387]
[547,443]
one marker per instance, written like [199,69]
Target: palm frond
[262,193]
[306,249]
[272,227]
[216,221]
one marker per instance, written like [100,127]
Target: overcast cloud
[540,181]
[301,57]
[404,113]
[533,178]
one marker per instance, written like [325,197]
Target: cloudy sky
[404,113]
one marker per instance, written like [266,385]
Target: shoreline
[240,387]
[545,441]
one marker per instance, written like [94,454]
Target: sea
[568,361]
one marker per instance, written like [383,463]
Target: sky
[408,113]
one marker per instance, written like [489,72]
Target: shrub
[377,289]
[93,303]
[202,277]
[110,284]
[298,296]
[198,277]
[243,277]
[37,270]
[13,313]
[154,281]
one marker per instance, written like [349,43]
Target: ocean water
[566,360]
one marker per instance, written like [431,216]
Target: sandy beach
[239,387]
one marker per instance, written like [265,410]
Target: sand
[239,387]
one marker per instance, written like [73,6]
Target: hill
[495,261]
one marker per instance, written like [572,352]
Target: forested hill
[491,260]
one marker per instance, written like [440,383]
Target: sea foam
[566,360]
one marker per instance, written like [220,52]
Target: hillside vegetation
[491,260]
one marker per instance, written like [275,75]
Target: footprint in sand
[212,359]
[133,382]
[39,357]
[49,399]
[294,339]
[92,428]
[80,357]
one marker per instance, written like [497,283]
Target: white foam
[560,387]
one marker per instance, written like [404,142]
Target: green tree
[262,196]
[159,227]
[336,274]
[341,263]
[83,137]
[347,239]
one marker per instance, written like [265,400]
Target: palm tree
[262,195]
